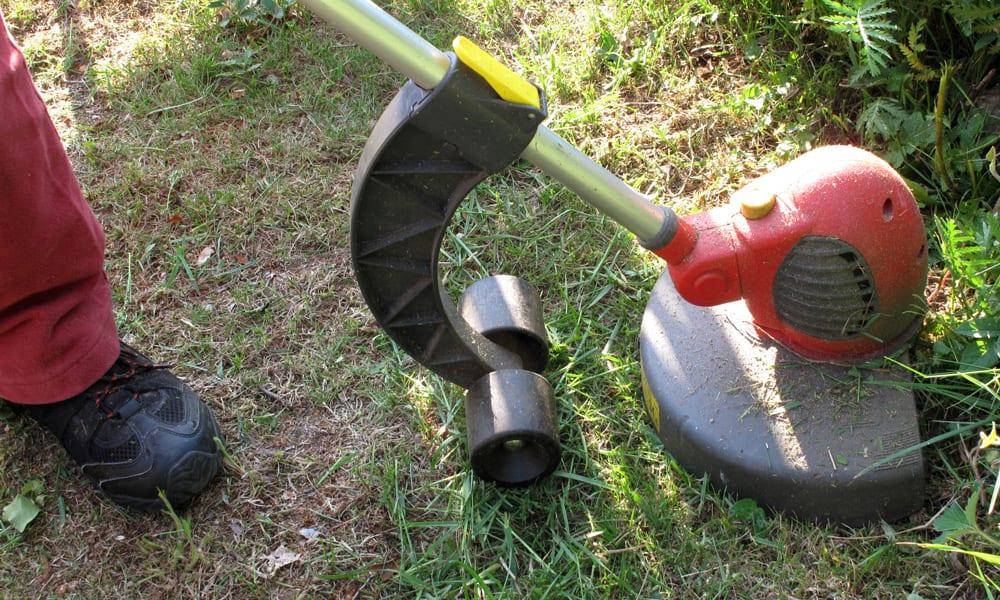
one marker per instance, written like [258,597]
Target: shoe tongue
[128,408]
[119,395]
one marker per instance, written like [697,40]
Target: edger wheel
[511,422]
[508,311]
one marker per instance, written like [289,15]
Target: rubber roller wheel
[508,311]
[511,425]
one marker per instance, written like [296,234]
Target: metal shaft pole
[414,57]
[600,188]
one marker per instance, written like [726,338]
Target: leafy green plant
[979,18]
[872,33]
[182,546]
[912,93]
[982,351]
[960,533]
[968,247]
[251,12]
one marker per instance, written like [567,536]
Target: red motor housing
[829,252]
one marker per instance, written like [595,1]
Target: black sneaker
[136,431]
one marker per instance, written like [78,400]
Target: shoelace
[113,382]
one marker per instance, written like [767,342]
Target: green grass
[220,161]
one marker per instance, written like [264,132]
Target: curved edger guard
[427,152]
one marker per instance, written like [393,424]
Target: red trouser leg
[57,330]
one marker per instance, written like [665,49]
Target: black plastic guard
[429,149]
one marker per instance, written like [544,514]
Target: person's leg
[57,329]
[134,428]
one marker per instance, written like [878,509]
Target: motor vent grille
[825,289]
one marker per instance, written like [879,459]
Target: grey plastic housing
[805,438]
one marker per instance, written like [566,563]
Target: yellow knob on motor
[755,203]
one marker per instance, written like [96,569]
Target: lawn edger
[753,341]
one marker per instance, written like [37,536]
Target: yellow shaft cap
[508,85]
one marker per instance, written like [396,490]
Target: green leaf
[980,354]
[35,488]
[747,510]
[889,531]
[954,521]
[883,116]
[981,328]
[20,512]
[972,508]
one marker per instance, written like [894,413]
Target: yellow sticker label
[652,406]
[508,85]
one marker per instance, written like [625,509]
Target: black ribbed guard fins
[429,149]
